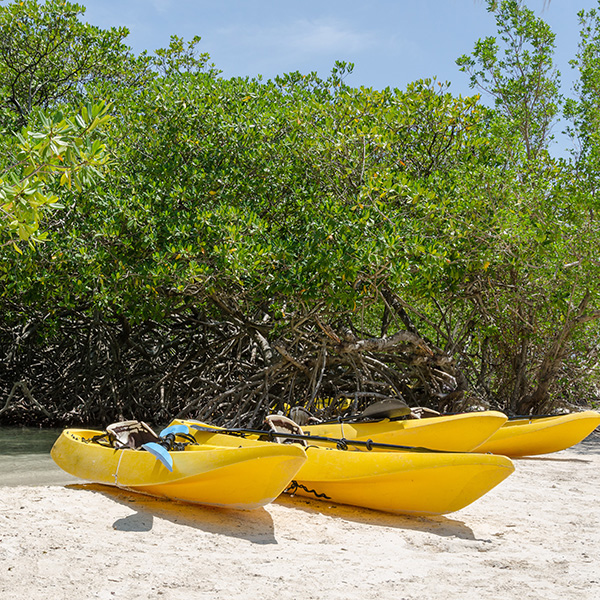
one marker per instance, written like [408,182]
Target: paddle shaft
[341,443]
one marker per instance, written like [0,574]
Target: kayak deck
[529,437]
[456,433]
[245,475]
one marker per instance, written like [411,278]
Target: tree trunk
[554,357]
[520,386]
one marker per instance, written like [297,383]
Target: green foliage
[584,110]
[47,55]
[181,57]
[521,79]
[272,199]
[280,192]
[59,153]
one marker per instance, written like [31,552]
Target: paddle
[136,434]
[160,453]
[533,417]
[178,429]
[341,443]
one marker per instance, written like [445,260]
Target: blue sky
[391,42]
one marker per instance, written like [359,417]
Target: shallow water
[25,457]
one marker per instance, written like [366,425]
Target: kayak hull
[530,437]
[402,482]
[243,476]
[411,483]
[455,433]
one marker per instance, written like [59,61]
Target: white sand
[536,536]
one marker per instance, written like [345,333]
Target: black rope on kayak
[533,417]
[294,486]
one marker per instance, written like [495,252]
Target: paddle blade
[160,453]
[175,430]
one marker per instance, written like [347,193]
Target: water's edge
[25,458]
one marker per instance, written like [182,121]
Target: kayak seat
[281,424]
[131,434]
[422,412]
[390,408]
[301,416]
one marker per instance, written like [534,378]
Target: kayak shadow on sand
[550,458]
[590,445]
[437,525]
[255,526]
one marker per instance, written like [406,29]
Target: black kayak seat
[392,408]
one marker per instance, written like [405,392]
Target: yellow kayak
[531,436]
[456,433]
[415,483]
[245,474]
[405,482]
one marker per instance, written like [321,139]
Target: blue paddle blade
[174,429]
[160,453]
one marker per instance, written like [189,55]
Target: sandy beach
[535,536]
